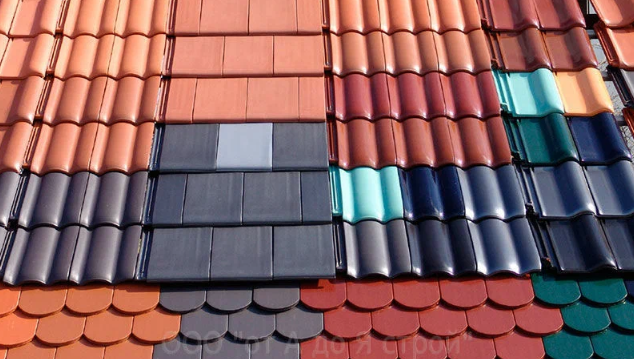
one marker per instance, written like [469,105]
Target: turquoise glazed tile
[603,291]
[555,291]
[622,315]
[565,345]
[528,94]
[585,318]
[612,344]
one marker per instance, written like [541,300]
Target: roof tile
[90,299]
[108,328]
[467,345]
[422,346]
[20,99]
[514,15]
[31,350]
[518,345]
[489,320]
[80,349]
[395,322]
[17,329]
[598,139]
[26,57]
[322,347]
[325,294]
[531,94]
[60,328]
[9,299]
[371,347]
[615,13]
[133,299]
[509,292]
[583,93]
[130,348]
[14,142]
[156,326]
[41,301]
[463,293]
[369,295]
[416,294]
[443,321]
[347,323]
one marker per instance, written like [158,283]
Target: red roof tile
[133,299]
[14,141]
[347,323]
[618,45]
[395,322]
[30,18]
[369,295]
[128,349]
[60,328]
[514,15]
[510,292]
[615,13]
[421,346]
[454,96]
[490,321]
[89,299]
[17,328]
[443,321]
[463,293]
[414,142]
[9,299]
[468,346]
[403,52]
[19,99]
[109,327]
[371,347]
[42,301]
[80,349]
[391,16]
[323,347]
[416,293]
[33,349]
[537,319]
[324,294]
[517,345]
[156,326]
[24,57]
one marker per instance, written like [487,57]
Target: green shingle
[555,291]
[612,344]
[585,318]
[622,315]
[565,345]
[603,291]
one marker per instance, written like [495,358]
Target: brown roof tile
[615,13]
[24,57]
[279,99]
[516,15]
[391,16]
[415,142]
[19,99]
[618,45]
[532,49]
[14,142]
[404,52]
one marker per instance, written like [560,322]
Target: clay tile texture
[516,15]
[84,322]
[615,13]
[617,44]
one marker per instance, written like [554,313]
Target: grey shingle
[251,324]
[9,182]
[213,199]
[190,148]
[229,299]
[179,254]
[316,203]
[276,297]
[167,207]
[204,325]
[299,323]
[226,348]
[303,252]
[182,299]
[272,198]
[244,253]
[245,146]
[300,146]
[275,348]
[177,349]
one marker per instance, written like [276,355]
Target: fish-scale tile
[395,322]
[9,299]
[621,315]
[612,344]
[369,295]
[251,323]
[429,347]
[60,329]
[276,297]
[443,321]
[603,291]
[323,347]
[80,349]
[17,329]
[132,348]
[299,323]
[538,319]
[347,323]
[107,328]
[31,350]
[372,347]
[24,57]
[416,294]
[585,318]
[529,94]
[42,301]
[514,15]
[490,321]
[131,299]
[19,100]
[583,93]
[156,326]
[325,294]
[509,292]
[229,299]
[517,345]
[204,325]
[89,299]
[467,293]
[476,347]
[615,13]
[14,142]
[182,299]
[555,291]
[598,139]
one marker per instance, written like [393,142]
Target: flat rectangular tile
[316,202]
[244,253]
[300,146]
[272,198]
[244,147]
[167,206]
[189,148]
[180,254]
[303,252]
[213,199]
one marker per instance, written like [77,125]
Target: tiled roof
[517,15]
[615,13]
[624,81]
[617,44]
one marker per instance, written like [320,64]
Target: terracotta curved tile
[615,13]
[122,147]
[128,349]
[463,293]
[372,347]
[24,57]
[31,350]
[491,321]
[9,298]
[42,301]
[61,328]
[36,17]
[518,345]
[17,329]
[347,323]
[458,51]
[370,294]
[421,346]
[156,326]
[109,327]
[466,95]
[514,15]
[362,143]
[443,321]
[7,12]
[137,55]
[96,18]
[325,294]
[510,292]
[143,17]
[80,349]
[323,347]
[14,142]
[578,53]
[583,93]
[357,96]
[416,294]
[135,299]
[538,319]
[356,53]
[618,45]
[89,299]
[468,346]
[65,148]
[395,322]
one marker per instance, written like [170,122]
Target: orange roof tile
[32,18]
[19,99]
[122,147]
[24,57]
[80,349]
[16,329]
[615,13]
[109,327]
[618,45]
[60,328]
[128,349]
[89,299]
[9,298]
[14,142]
[133,299]
[583,93]
[32,349]
[42,301]
[156,326]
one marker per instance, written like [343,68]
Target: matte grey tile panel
[276,297]
[245,147]
[243,253]
[177,349]
[114,198]
[299,323]
[54,199]
[167,207]
[213,199]
[105,254]
[189,148]
[251,324]
[275,348]
[204,325]
[229,299]
[226,348]
[9,183]
[180,254]
[182,299]
[316,202]
[272,198]
[303,252]
[300,146]
[612,188]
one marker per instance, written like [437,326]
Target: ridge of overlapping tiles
[597,315]
[83,322]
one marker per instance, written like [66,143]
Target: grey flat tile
[204,325]
[300,146]
[226,348]
[114,198]
[9,182]
[316,205]
[182,299]
[276,297]
[299,323]
[179,254]
[245,147]
[275,348]
[213,199]
[190,148]
[229,299]
[272,198]
[251,324]
[303,252]
[243,253]
[177,349]
[167,207]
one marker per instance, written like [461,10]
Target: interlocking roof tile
[63,333]
[20,99]
[74,254]
[261,17]
[223,56]
[14,143]
[617,44]
[624,81]
[422,192]
[289,99]
[9,185]
[112,56]
[401,52]
[515,15]
[402,15]
[583,93]
[531,49]
[615,13]
[24,57]
[529,94]
[414,142]
[30,18]
[94,147]
[598,139]
[103,100]
[433,247]
[454,96]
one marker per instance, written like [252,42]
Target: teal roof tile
[622,315]
[585,318]
[565,345]
[612,344]
[541,140]
[555,291]
[528,94]
[603,291]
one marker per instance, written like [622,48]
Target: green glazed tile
[555,291]
[335,190]
[528,94]
[622,315]
[612,344]
[585,318]
[565,345]
[603,291]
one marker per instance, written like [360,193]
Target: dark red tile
[395,322]
[510,292]
[490,321]
[416,293]
[538,319]
[347,323]
[421,346]
[467,346]
[323,347]
[370,294]
[443,321]
[519,346]
[371,347]
[463,293]
[325,294]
